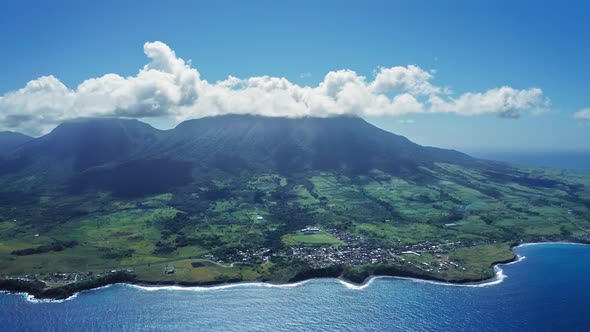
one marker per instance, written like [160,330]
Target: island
[232,199]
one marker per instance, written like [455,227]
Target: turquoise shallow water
[547,291]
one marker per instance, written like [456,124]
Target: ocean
[547,290]
[575,160]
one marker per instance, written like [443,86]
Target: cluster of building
[347,237]
[437,247]
[359,251]
[53,278]
[321,257]
[67,277]
[24,277]
[62,278]
[256,256]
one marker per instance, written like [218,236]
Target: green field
[317,239]
[171,231]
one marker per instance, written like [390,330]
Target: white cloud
[169,87]
[504,102]
[583,114]
[410,78]
[36,107]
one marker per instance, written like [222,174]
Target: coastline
[32,292]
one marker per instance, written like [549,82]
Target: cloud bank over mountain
[169,87]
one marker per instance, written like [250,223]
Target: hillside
[115,154]
[10,140]
[101,194]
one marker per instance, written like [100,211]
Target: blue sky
[472,47]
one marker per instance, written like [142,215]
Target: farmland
[249,228]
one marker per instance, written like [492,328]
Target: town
[357,250]
[353,250]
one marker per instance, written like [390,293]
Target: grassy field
[317,239]
[198,271]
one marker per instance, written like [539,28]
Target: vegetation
[204,222]
[317,239]
[159,233]
[55,246]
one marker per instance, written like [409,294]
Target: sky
[458,74]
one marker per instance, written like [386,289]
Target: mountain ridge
[111,139]
[116,154]
[10,140]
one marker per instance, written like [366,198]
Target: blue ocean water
[547,291]
[576,160]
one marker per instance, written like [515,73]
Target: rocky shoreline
[38,290]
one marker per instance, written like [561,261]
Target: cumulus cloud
[505,102]
[169,87]
[583,114]
[411,78]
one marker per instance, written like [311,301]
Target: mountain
[85,143]
[10,140]
[132,158]
[287,145]
[88,149]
